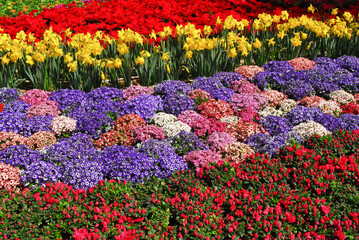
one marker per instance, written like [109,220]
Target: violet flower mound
[126,163]
[36,124]
[278,66]
[300,114]
[350,63]
[275,125]
[269,80]
[16,107]
[68,99]
[20,156]
[176,104]
[8,95]
[185,142]
[168,88]
[145,106]
[167,159]
[12,122]
[105,93]
[40,172]
[227,78]
[207,84]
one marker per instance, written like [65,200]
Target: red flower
[325,209]
[290,217]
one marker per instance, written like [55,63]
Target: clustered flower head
[227,78]
[147,132]
[171,129]
[34,96]
[278,66]
[8,95]
[219,139]
[8,139]
[106,94]
[287,105]
[39,173]
[199,96]
[310,128]
[215,109]
[185,142]
[301,63]
[309,101]
[201,158]
[9,176]
[41,139]
[341,97]
[249,71]
[43,108]
[273,97]
[128,122]
[330,107]
[176,104]
[36,124]
[145,106]
[236,152]
[160,119]
[63,125]
[244,86]
[135,91]
[114,137]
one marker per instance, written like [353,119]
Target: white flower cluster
[63,124]
[270,111]
[341,97]
[287,105]
[233,120]
[330,107]
[171,129]
[160,119]
[310,128]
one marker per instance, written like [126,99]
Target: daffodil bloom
[165,56]
[218,21]
[284,15]
[29,60]
[348,17]
[271,42]
[117,63]
[5,60]
[304,35]
[335,11]
[311,8]
[103,77]
[207,30]
[296,41]
[257,44]
[72,66]
[168,69]
[189,54]
[140,61]
[167,30]
[145,53]
[153,34]
[281,34]
[232,53]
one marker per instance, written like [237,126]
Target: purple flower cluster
[40,172]
[300,114]
[185,142]
[275,125]
[145,106]
[278,66]
[16,107]
[222,94]
[207,84]
[106,93]
[227,78]
[68,99]
[36,124]
[168,88]
[20,156]
[167,159]
[176,104]
[8,95]
[269,80]
[12,122]
[350,63]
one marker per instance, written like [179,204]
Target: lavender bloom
[321,81]
[36,124]
[40,172]
[105,93]
[16,107]
[185,142]
[352,121]
[145,106]
[275,125]
[168,160]
[227,77]
[300,114]
[20,156]
[222,94]
[297,89]
[326,63]
[176,104]
[92,123]
[8,95]
[330,122]
[350,63]
[278,66]
[269,80]
[125,163]
[171,87]
[207,84]
[346,80]
[68,99]
[12,122]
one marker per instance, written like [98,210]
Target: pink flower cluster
[274,97]
[63,125]
[9,138]
[250,100]
[9,176]
[129,121]
[34,96]
[135,91]
[219,139]
[114,137]
[309,101]
[46,107]
[301,63]
[243,129]
[201,158]
[236,152]
[249,71]
[249,114]
[199,96]
[244,86]
[40,140]
[147,132]
[215,109]
[330,107]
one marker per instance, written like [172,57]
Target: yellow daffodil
[281,34]
[145,53]
[232,53]
[335,11]
[29,60]
[103,77]
[72,66]
[284,15]
[117,63]
[5,60]
[165,56]
[140,61]
[189,54]
[271,42]
[296,41]
[167,30]
[168,68]
[304,35]
[153,34]
[311,8]
[219,21]
[257,44]
[207,30]
[348,17]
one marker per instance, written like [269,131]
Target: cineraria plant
[249,71]
[341,97]
[143,133]
[236,152]
[330,107]
[128,122]
[269,80]
[36,124]
[171,129]
[41,139]
[145,106]
[273,97]
[199,96]
[207,84]
[224,94]
[201,158]
[114,137]
[44,108]
[185,142]
[276,125]
[176,104]
[297,89]
[63,126]
[278,66]
[40,172]
[227,78]
[9,138]
[310,128]
[287,105]
[242,130]
[352,121]
[301,114]
[12,122]
[272,111]
[16,107]
[34,96]
[309,101]
[160,119]
[20,156]
[68,99]
[106,93]
[172,87]
[241,100]
[350,63]
[134,91]
[215,109]
[218,139]
[9,177]
[244,86]
[8,95]
[331,123]
[301,63]
[167,159]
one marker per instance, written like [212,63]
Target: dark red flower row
[140,15]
